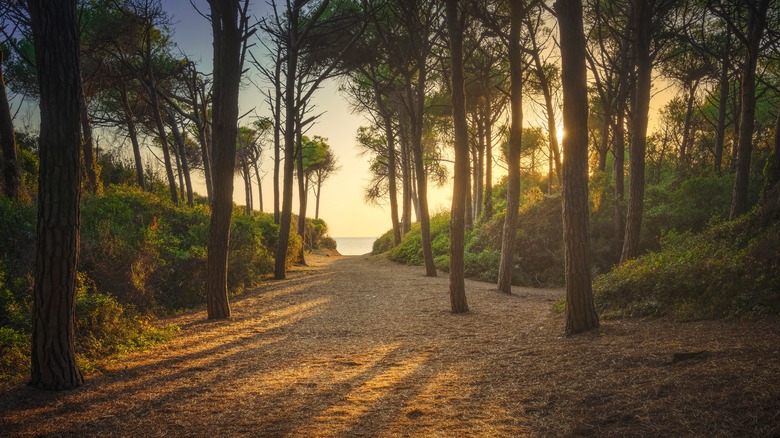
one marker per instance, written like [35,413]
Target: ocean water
[354,245]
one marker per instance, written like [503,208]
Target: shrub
[729,270]
[14,353]
[384,243]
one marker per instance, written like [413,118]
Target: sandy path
[362,347]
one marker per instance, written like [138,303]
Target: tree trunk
[720,133]
[285,219]
[687,140]
[641,108]
[53,354]
[580,310]
[552,127]
[302,191]
[204,137]
[737,115]
[604,142]
[458,213]
[11,169]
[317,202]
[88,144]
[509,232]
[391,167]
[406,172]
[277,132]
[756,24]
[158,121]
[228,36]
[185,167]
[133,133]
[487,204]
[416,100]
[259,186]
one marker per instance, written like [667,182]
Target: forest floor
[359,346]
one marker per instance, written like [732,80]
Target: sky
[342,204]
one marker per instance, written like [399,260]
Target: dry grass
[362,347]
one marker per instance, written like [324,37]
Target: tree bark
[580,310]
[228,36]
[302,191]
[458,213]
[406,172]
[54,292]
[687,139]
[277,111]
[757,12]
[133,133]
[487,203]
[285,218]
[185,167]
[88,144]
[509,232]
[416,99]
[11,169]
[639,119]
[391,166]
[720,132]
[158,121]
[259,185]
[202,125]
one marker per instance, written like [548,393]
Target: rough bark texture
[459,187]
[227,76]
[639,118]
[302,192]
[756,23]
[10,162]
[56,52]
[509,232]
[580,311]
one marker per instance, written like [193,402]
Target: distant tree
[8,147]
[230,27]
[320,164]
[53,355]
[580,310]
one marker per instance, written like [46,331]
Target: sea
[354,245]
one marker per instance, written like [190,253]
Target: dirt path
[362,347]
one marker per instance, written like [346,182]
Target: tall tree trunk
[416,98]
[458,213]
[737,115]
[604,140]
[277,111]
[285,218]
[641,108]
[202,129]
[406,172]
[228,37]
[11,169]
[182,154]
[619,142]
[687,139]
[87,144]
[757,11]
[158,121]
[302,191]
[247,186]
[391,167]
[773,174]
[53,354]
[487,203]
[720,132]
[549,108]
[259,186]
[133,133]
[580,310]
[509,232]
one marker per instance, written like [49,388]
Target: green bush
[384,243]
[14,353]
[729,270]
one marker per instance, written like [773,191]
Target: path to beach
[359,346]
